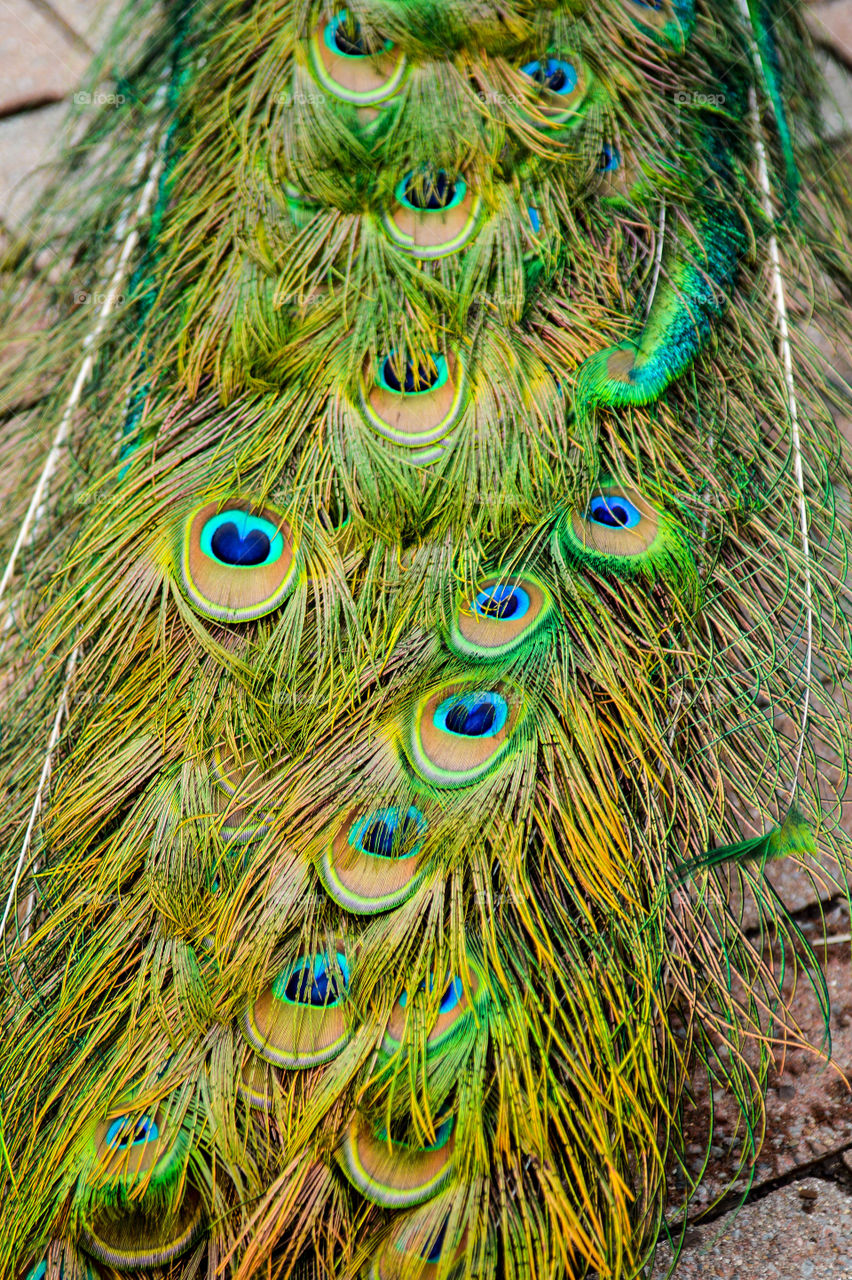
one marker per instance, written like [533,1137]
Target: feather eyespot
[453,1020]
[430,189]
[419,1247]
[561,88]
[301,1019]
[392,1173]
[609,159]
[434,213]
[621,534]
[414,401]
[314,982]
[413,377]
[460,732]
[254,1084]
[243,794]
[613,511]
[239,563]
[553,74]
[481,714]
[344,35]
[618,529]
[140,1146]
[506,612]
[142,1241]
[355,67]
[372,862]
[127,1132]
[138,1164]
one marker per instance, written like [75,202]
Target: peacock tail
[425,536]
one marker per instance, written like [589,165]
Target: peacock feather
[425,536]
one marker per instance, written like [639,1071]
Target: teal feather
[791,838]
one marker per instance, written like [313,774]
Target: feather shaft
[782,324]
[61,710]
[127,229]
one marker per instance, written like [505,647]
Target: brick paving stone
[39,62]
[831,24]
[91,19]
[26,141]
[837,106]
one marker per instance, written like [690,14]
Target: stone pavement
[796,1219]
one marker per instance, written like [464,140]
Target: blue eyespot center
[314,982]
[649,4]
[610,158]
[501,602]
[413,377]
[535,220]
[430,189]
[387,833]
[344,36]
[449,999]
[614,511]
[126,1132]
[553,74]
[451,996]
[229,546]
[472,715]
[241,540]
[433,1251]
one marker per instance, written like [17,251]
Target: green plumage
[422,578]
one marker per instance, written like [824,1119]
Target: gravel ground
[802,1231]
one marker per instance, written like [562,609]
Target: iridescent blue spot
[125,1132]
[382,833]
[535,220]
[413,377]
[610,158]
[427,190]
[39,1272]
[451,996]
[241,540]
[343,36]
[229,546]
[649,4]
[434,1251]
[449,999]
[312,982]
[501,601]
[553,74]
[472,715]
[614,512]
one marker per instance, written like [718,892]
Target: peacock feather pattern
[425,531]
